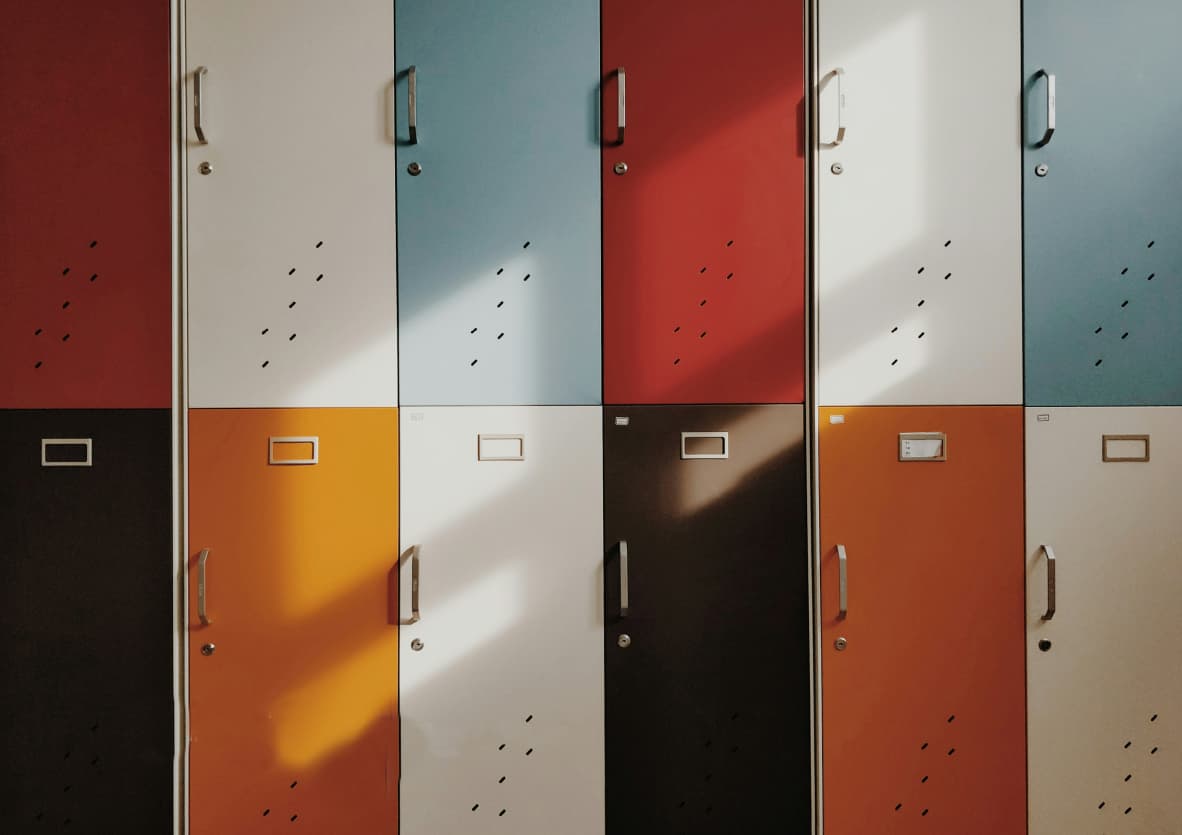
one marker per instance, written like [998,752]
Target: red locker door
[85,277]
[703,201]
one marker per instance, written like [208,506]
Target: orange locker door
[923,676]
[293,652]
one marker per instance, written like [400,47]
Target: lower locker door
[922,676]
[293,678]
[501,681]
[707,630]
[86,613]
[1104,696]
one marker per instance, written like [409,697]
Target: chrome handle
[843,602]
[1050,612]
[1046,137]
[415,615]
[198,82]
[201,586]
[623,579]
[839,74]
[621,119]
[412,106]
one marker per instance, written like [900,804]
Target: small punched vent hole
[529,751]
[951,751]
[898,806]
[923,747]
[500,304]
[1150,276]
[37,332]
[290,306]
[66,271]
[895,329]
[952,718]
[319,244]
[677,361]
[921,301]
[921,333]
[501,335]
[501,813]
[702,303]
[475,807]
[1125,303]
[526,278]
[1097,330]
[925,779]
[293,784]
[1098,362]
[1153,718]
[265,331]
[320,276]
[895,361]
[291,271]
[920,271]
[1102,805]
[529,718]
[502,779]
[924,813]
[501,747]
[37,364]
[65,305]
[1153,750]
[473,362]
[472,331]
[1150,245]
[677,329]
[1127,744]
[93,244]
[947,276]
[290,338]
[702,335]
[266,812]
[525,245]
[730,243]
[701,271]
[1128,810]
[293,818]
[266,363]
[94,278]
[729,276]
[501,270]
[1128,777]
[947,243]
[66,338]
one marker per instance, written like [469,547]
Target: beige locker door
[1104,690]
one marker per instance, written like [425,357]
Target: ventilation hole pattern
[897,349]
[715,280]
[917,787]
[60,323]
[510,759]
[710,770]
[268,349]
[1105,344]
[1134,754]
[479,345]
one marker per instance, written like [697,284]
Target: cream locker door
[501,676]
[1104,692]
[919,202]
[290,203]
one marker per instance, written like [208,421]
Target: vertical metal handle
[198,92]
[621,118]
[839,74]
[1050,612]
[201,586]
[412,105]
[415,615]
[623,579]
[1046,137]
[843,602]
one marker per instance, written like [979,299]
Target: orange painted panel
[294,715]
[924,710]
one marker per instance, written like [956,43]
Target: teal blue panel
[1103,227]
[499,233]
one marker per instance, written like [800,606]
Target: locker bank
[590,417]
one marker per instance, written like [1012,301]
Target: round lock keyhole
[1044,645]
[205,168]
[624,641]
[416,644]
[620,168]
[414,169]
[1041,170]
[840,644]
[208,649]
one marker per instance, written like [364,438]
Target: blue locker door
[498,201]
[1103,249]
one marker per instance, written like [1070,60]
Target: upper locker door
[1103,250]
[501,680]
[707,639]
[87,615]
[85,272]
[289,170]
[919,212]
[703,201]
[921,621]
[498,214]
[292,625]
[1105,700]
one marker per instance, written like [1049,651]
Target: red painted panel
[85,279]
[924,707]
[704,234]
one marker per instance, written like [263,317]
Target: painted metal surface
[501,678]
[704,234]
[1103,254]
[291,269]
[499,235]
[85,271]
[293,716]
[1104,697]
[708,697]
[923,697]
[919,248]
[86,611]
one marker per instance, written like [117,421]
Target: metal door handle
[839,74]
[843,603]
[621,118]
[201,586]
[198,82]
[1050,612]
[1046,137]
[412,106]
[415,615]
[623,578]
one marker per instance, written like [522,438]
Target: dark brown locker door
[707,672]
[86,611]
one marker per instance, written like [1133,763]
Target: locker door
[922,679]
[703,190]
[501,681]
[86,711]
[288,161]
[1104,697]
[708,692]
[1103,253]
[85,272]
[292,688]
[498,201]
[919,212]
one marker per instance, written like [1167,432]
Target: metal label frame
[1118,459]
[481,438]
[314,440]
[86,442]
[924,436]
[725,437]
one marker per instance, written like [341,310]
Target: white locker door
[289,172]
[919,202]
[1104,692]
[501,678]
